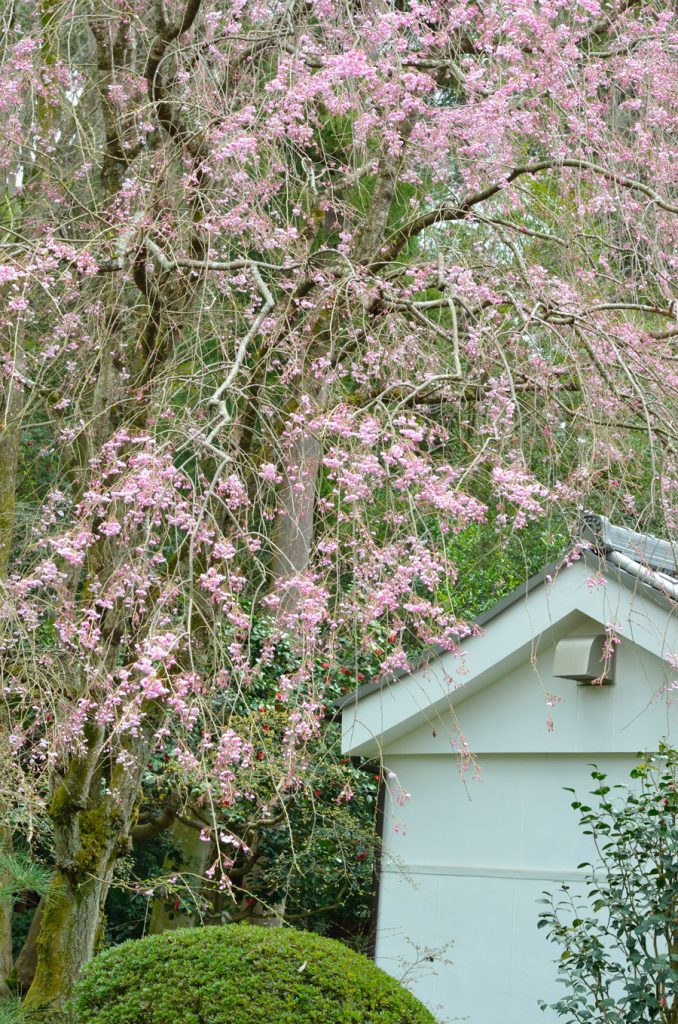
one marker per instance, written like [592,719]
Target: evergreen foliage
[240,975]
[620,954]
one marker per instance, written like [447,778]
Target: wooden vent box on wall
[582,659]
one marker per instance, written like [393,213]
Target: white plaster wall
[466,858]
[466,861]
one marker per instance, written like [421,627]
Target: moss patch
[60,806]
[95,829]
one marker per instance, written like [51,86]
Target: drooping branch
[449,213]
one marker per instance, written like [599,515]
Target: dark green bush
[237,974]
[619,961]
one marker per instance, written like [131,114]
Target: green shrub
[238,974]
[620,946]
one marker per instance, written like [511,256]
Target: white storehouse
[468,854]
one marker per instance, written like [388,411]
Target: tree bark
[189,859]
[295,526]
[91,830]
[66,941]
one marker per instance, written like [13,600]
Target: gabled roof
[641,558]
[641,596]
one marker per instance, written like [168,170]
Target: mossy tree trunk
[93,811]
[66,941]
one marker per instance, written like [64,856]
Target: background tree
[294,295]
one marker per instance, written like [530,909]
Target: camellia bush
[240,975]
[619,962]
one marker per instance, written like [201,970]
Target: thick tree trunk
[91,831]
[291,557]
[190,860]
[67,940]
[296,521]
[295,526]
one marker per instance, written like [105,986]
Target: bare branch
[217,398]
[462,210]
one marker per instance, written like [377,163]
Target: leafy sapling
[619,960]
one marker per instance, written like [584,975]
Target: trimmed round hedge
[240,974]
